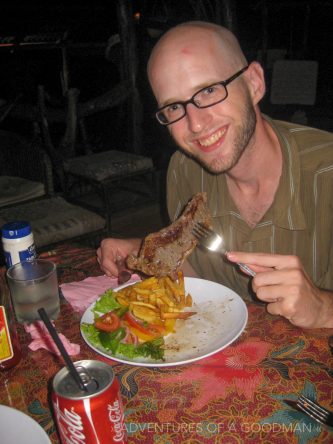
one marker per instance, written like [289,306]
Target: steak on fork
[163,253]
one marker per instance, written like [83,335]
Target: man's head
[196,55]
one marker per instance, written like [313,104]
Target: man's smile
[212,141]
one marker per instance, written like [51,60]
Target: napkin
[83,293]
[41,338]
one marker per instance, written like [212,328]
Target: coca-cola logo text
[117,418]
[70,425]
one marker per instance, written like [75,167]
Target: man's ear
[255,80]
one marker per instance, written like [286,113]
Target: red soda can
[94,416]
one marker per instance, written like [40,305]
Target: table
[234,396]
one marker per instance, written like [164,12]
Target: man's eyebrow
[169,102]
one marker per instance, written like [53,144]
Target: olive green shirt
[299,222]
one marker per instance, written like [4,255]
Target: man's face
[215,136]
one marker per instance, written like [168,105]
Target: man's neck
[253,182]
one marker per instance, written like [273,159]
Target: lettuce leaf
[91,333]
[110,341]
[107,302]
[150,349]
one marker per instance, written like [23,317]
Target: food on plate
[133,321]
[162,253]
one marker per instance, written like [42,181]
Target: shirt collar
[286,211]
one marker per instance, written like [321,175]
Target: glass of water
[34,284]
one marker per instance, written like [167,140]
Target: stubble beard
[244,134]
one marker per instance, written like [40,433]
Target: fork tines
[199,230]
[315,410]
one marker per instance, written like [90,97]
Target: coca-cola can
[94,416]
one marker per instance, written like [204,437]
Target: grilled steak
[163,253]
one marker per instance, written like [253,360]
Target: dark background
[302,28]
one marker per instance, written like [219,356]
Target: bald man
[269,183]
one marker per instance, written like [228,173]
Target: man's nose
[197,118]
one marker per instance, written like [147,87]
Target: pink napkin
[41,338]
[83,293]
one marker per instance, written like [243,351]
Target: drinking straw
[53,332]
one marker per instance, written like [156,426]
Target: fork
[214,242]
[124,273]
[312,409]
[315,410]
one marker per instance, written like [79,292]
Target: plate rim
[16,412]
[174,363]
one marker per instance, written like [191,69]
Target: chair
[17,189]
[54,220]
[26,170]
[26,173]
[120,179]
[94,179]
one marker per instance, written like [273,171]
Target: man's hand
[282,282]
[111,249]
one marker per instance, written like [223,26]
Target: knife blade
[124,274]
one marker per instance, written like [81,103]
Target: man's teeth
[212,139]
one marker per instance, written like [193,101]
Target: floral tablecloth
[234,396]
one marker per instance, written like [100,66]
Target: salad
[132,322]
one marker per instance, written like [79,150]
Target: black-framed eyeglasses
[204,98]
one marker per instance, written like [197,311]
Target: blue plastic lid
[16,229]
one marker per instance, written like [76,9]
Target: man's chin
[214,166]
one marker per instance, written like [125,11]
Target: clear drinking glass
[33,285]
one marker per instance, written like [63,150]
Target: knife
[124,274]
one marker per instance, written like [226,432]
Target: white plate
[221,317]
[17,427]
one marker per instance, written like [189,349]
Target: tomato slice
[151,330]
[108,322]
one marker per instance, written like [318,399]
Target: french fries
[157,300]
